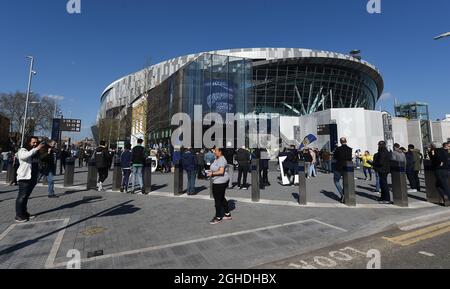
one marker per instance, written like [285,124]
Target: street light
[30,77]
[442,36]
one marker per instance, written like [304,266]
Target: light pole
[32,72]
[442,36]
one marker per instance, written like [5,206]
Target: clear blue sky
[77,56]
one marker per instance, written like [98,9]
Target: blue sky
[77,56]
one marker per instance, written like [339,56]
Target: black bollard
[148,175]
[9,173]
[117,175]
[302,200]
[349,184]
[69,172]
[92,175]
[256,194]
[399,187]
[430,183]
[178,179]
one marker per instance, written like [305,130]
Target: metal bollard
[302,200]
[148,175]
[9,173]
[256,194]
[69,172]
[92,175]
[178,179]
[117,175]
[399,187]
[430,183]
[349,184]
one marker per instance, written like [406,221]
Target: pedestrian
[1,159]
[312,167]
[102,162]
[209,159]
[342,155]
[80,157]
[358,158]
[125,164]
[413,165]
[27,175]
[367,167]
[229,154]
[381,164]
[398,155]
[264,167]
[16,164]
[326,161]
[200,165]
[63,155]
[218,173]
[189,164]
[137,164]
[47,157]
[243,159]
[440,162]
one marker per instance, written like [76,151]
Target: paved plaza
[160,230]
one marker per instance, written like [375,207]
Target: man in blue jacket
[189,164]
[125,164]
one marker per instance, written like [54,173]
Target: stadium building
[291,82]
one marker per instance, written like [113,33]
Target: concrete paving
[164,231]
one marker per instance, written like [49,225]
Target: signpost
[67,125]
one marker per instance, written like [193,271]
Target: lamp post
[31,73]
[442,36]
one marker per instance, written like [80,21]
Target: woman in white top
[220,176]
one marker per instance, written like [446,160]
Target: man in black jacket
[137,164]
[382,165]
[102,162]
[47,157]
[243,160]
[342,155]
[440,163]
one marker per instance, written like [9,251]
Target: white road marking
[426,254]
[159,247]
[56,244]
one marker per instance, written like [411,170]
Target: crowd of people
[38,160]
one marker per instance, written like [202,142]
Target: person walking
[125,164]
[15,163]
[440,162]
[102,162]
[243,159]
[342,155]
[312,167]
[47,157]
[381,164]
[189,164]
[367,159]
[264,167]
[326,161]
[63,155]
[209,159]
[137,163]
[27,175]
[398,155]
[200,165]
[219,174]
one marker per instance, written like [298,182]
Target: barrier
[69,172]
[91,182]
[117,175]
[430,183]
[302,199]
[399,186]
[148,175]
[256,193]
[349,184]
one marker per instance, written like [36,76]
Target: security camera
[34,72]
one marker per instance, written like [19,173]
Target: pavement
[117,230]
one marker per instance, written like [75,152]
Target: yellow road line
[420,235]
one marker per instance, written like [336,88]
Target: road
[420,248]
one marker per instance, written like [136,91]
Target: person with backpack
[125,164]
[137,165]
[102,162]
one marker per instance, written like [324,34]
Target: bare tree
[40,112]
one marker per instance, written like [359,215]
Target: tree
[41,111]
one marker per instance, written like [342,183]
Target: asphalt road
[421,248]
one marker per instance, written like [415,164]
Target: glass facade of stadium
[226,84]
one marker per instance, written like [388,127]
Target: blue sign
[309,139]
